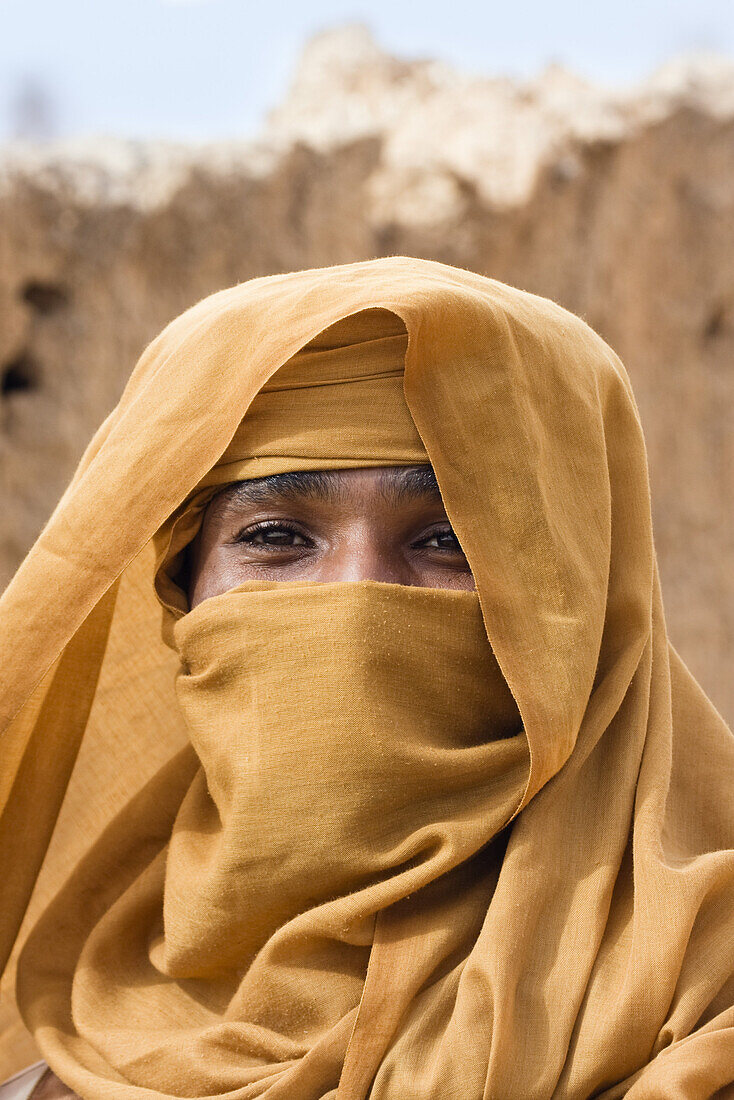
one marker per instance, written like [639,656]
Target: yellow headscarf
[371,840]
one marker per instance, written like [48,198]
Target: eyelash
[248,534]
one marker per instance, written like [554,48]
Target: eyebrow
[395,485]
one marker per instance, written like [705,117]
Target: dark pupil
[448,540]
[277,536]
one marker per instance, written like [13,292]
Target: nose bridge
[365,553]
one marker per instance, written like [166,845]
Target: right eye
[272,535]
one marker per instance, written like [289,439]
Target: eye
[272,535]
[443,539]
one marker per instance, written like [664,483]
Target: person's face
[386,524]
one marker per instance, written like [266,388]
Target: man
[390,783]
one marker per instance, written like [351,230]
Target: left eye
[273,536]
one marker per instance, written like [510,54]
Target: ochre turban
[363,840]
[338,403]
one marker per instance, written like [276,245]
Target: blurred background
[152,151]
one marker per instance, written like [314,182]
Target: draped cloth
[361,840]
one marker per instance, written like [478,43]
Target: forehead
[392,484]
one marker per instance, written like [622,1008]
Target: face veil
[538,892]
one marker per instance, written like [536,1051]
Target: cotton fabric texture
[361,840]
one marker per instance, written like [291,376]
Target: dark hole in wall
[44,297]
[19,375]
[715,323]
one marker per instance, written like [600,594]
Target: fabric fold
[351,841]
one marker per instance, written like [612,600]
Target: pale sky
[201,69]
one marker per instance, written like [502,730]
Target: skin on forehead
[386,524]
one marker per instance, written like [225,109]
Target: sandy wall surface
[619,204]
